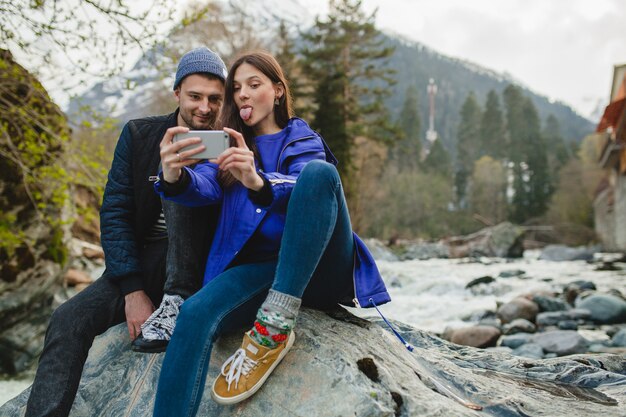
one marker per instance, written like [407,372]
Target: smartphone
[214,141]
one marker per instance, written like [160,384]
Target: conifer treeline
[397,183]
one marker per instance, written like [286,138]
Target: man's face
[199,99]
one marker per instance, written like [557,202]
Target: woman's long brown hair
[229,116]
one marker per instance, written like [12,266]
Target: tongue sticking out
[245,113]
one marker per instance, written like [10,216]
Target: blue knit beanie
[200,60]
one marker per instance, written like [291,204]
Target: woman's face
[254,96]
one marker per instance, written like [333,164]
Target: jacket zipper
[285,147]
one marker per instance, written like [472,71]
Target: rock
[519,326]
[503,240]
[529,350]
[511,273]
[481,280]
[515,340]
[476,336]
[583,285]
[74,277]
[550,303]
[607,266]
[424,251]
[380,251]
[552,318]
[604,308]
[518,308]
[619,338]
[561,342]
[560,253]
[323,379]
[25,308]
[568,325]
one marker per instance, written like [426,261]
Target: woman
[283,227]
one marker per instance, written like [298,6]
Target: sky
[563,49]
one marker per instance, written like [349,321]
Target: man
[134,240]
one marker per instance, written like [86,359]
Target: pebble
[604,308]
[517,308]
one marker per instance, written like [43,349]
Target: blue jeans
[315,263]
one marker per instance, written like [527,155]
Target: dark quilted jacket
[130,206]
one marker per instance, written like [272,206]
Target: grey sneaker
[160,325]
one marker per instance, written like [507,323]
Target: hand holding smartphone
[214,141]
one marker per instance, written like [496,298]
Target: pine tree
[527,157]
[558,152]
[492,132]
[345,58]
[407,151]
[291,65]
[438,160]
[537,176]
[514,101]
[468,145]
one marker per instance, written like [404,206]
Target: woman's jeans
[315,263]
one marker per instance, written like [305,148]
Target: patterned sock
[275,319]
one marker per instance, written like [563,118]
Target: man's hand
[172,159]
[138,308]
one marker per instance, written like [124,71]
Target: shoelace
[240,364]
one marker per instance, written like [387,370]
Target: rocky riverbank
[362,370]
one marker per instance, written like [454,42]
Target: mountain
[413,62]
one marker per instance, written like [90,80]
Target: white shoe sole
[238,398]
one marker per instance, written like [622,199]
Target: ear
[279,89]
[177,95]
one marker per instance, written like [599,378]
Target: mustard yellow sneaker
[245,372]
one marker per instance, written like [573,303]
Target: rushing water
[431,294]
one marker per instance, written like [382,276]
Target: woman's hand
[172,159]
[239,161]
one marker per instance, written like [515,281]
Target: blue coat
[240,216]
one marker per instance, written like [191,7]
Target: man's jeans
[73,327]
[75,324]
[189,230]
[315,262]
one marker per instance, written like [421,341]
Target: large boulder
[502,240]
[341,365]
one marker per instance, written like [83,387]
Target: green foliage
[344,60]
[468,146]
[493,140]
[407,151]
[488,191]
[438,160]
[33,135]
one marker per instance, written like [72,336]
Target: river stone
[529,350]
[380,251]
[604,308]
[553,318]
[568,325]
[320,377]
[565,253]
[550,303]
[426,250]
[619,338]
[476,336]
[515,340]
[518,308]
[480,280]
[561,342]
[511,273]
[519,326]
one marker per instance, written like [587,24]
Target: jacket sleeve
[116,219]
[202,188]
[295,156]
